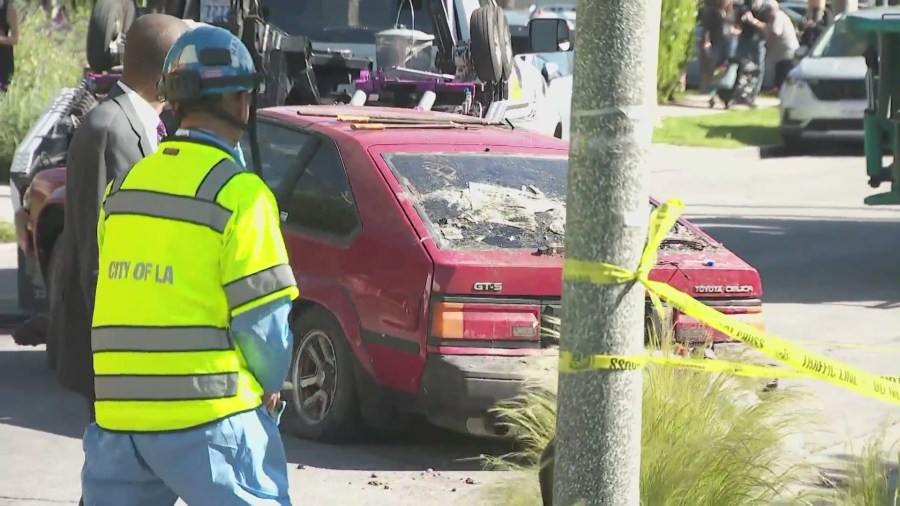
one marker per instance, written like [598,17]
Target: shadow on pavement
[809,260]
[30,397]
[831,149]
[883,477]
[8,284]
[748,135]
[420,447]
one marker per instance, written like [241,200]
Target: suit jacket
[107,143]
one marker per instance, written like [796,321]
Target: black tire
[341,421]
[793,143]
[53,296]
[487,49]
[545,474]
[109,19]
[507,58]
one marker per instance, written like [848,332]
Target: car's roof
[337,121]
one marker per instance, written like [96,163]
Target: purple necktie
[161,131]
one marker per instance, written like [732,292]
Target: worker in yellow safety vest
[190,332]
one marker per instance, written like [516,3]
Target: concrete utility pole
[613,103]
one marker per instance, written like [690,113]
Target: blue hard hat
[206,61]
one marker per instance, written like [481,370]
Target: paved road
[40,451]
[830,272]
[829,266]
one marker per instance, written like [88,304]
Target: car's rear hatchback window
[481,201]
[486,201]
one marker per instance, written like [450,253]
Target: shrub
[677,22]
[706,440]
[48,57]
[7,233]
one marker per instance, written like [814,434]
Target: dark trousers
[782,69]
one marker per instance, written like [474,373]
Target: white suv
[824,96]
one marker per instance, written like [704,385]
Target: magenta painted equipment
[376,83]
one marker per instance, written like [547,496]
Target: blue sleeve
[264,336]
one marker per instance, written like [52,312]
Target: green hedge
[48,57]
[676,44]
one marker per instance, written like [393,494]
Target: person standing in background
[781,37]
[192,345]
[818,17]
[751,45]
[718,40]
[9,37]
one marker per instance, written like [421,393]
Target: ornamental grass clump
[872,478]
[706,440]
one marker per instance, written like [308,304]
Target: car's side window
[278,149]
[321,200]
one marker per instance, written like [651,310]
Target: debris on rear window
[478,201]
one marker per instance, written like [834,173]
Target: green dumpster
[881,121]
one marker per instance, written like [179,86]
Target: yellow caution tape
[571,363]
[515,87]
[805,363]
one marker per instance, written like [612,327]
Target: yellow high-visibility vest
[188,240]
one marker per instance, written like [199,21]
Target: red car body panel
[46,194]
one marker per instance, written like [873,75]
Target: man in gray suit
[111,138]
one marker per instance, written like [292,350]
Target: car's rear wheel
[51,281]
[323,402]
[545,474]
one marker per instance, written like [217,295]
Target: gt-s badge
[487,287]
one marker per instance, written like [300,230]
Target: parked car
[563,10]
[427,251]
[824,96]
[557,69]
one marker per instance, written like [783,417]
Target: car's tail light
[485,321]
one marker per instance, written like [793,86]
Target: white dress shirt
[147,114]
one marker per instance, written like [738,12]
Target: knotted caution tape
[803,363]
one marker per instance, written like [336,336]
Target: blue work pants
[238,460]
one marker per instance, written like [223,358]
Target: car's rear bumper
[458,391]
[805,117]
[825,128]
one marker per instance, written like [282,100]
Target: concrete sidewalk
[698,105]
[6,211]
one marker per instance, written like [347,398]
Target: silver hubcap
[314,376]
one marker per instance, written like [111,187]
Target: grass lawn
[7,233]
[730,129]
